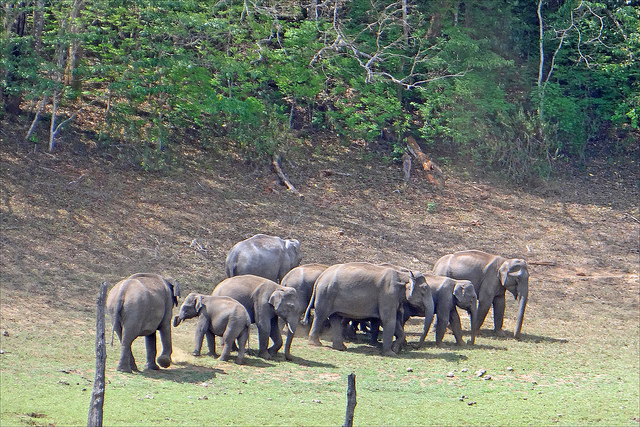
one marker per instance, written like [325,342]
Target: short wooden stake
[97,396]
[351,400]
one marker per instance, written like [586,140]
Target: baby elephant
[221,316]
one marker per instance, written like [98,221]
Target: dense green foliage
[467,77]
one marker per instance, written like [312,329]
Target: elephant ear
[275,299]
[175,289]
[410,286]
[198,304]
[292,247]
[503,272]
[458,291]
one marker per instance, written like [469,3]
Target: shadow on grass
[185,373]
[310,363]
[508,336]
[540,338]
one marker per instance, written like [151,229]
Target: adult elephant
[138,306]
[447,295]
[360,290]
[261,255]
[491,276]
[302,279]
[265,301]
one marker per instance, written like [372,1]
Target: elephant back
[262,255]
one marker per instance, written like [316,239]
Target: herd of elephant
[265,284]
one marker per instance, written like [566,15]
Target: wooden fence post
[97,396]
[351,400]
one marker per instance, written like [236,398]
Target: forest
[518,87]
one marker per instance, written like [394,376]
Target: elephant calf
[140,305]
[221,316]
[447,295]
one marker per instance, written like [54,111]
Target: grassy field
[69,223]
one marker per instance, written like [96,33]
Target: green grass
[46,378]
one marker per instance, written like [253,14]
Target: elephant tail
[116,320]
[307,313]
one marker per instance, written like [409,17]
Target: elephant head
[285,303]
[292,255]
[467,299]
[175,289]
[419,294]
[190,308]
[514,277]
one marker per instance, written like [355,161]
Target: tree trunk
[70,77]
[38,25]
[15,20]
[97,396]
[405,23]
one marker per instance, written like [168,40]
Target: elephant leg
[201,328]
[242,344]
[126,363]
[316,327]
[227,339]
[456,326]
[483,309]
[263,339]
[374,331]
[165,337]
[276,336]
[441,327]
[211,342]
[401,338]
[388,331]
[498,314]
[336,332]
[150,343]
[349,329]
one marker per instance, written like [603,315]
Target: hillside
[74,218]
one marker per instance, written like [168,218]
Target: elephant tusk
[289,327]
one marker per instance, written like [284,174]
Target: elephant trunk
[522,299]
[429,311]
[473,314]
[291,331]
[176,321]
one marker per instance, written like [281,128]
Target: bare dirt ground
[75,218]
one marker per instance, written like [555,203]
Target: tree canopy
[509,84]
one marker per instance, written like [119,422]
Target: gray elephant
[221,316]
[302,279]
[491,276]
[265,301]
[362,290]
[265,256]
[140,305]
[447,295]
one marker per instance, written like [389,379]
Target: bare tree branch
[376,58]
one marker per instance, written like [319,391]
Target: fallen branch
[548,263]
[283,177]
[433,172]
[329,172]
[633,218]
